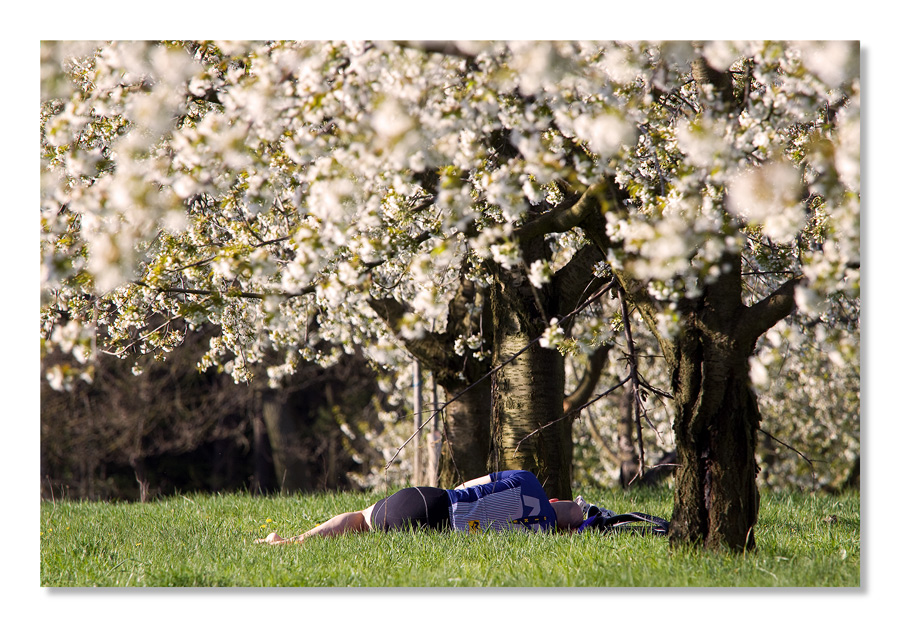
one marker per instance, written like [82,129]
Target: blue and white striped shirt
[514,499]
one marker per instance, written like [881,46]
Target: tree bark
[527,392]
[716,413]
[527,396]
[465,449]
[291,471]
[716,425]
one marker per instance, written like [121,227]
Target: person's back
[513,499]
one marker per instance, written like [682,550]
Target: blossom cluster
[276,189]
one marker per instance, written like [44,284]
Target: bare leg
[340,524]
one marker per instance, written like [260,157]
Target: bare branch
[573,412]
[637,406]
[206,260]
[805,458]
[229,293]
[589,381]
[448,48]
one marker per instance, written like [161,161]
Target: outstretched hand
[272,538]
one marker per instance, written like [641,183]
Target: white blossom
[759,375]
[831,61]
[539,273]
[721,55]
[553,335]
[507,254]
[606,134]
[808,301]
[703,146]
[768,196]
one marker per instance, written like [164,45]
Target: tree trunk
[716,424]
[434,441]
[291,472]
[527,396]
[264,469]
[629,464]
[717,415]
[466,426]
[140,474]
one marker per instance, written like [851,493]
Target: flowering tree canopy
[313,197]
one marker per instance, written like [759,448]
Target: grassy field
[207,540]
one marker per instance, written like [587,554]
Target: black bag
[634,522]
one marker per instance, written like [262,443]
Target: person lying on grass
[511,499]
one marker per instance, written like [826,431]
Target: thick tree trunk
[716,424]
[291,472]
[717,415]
[527,394]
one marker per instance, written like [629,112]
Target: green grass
[207,540]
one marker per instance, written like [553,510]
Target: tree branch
[563,217]
[231,293]
[805,458]
[576,279]
[206,260]
[425,349]
[447,48]
[589,381]
[762,316]
[606,195]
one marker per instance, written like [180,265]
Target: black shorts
[411,508]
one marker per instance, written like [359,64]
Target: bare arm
[473,482]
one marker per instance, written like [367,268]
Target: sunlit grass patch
[207,540]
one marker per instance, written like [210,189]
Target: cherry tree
[462,203]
